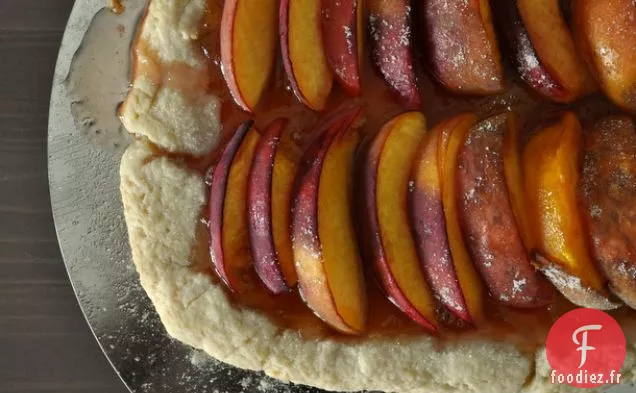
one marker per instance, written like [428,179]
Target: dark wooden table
[45,344]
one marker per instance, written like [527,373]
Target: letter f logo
[583,343]
[571,339]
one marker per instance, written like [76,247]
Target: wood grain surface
[45,344]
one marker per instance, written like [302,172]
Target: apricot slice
[462,46]
[392,48]
[248,48]
[325,247]
[607,201]
[269,200]
[341,34]
[606,34]
[387,171]
[227,210]
[429,228]
[303,52]
[488,222]
[511,152]
[454,132]
[551,170]
[557,71]
[523,56]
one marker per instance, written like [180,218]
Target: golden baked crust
[154,108]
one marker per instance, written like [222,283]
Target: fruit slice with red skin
[303,53]
[324,241]
[343,264]
[513,170]
[269,196]
[387,172]
[343,41]
[551,171]
[392,48]
[227,210]
[248,48]
[522,53]
[605,32]
[607,201]
[462,46]
[554,46]
[453,133]
[488,223]
[429,228]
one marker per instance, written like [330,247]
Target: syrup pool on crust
[526,328]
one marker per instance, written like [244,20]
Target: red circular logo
[586,348]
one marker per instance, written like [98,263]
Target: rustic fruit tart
[384,194]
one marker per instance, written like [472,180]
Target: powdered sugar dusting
[349,38]
[558,277]
[488,259]
[608,57]
[391,37]
[575,290]
[627,268]
[529,67]
[518,286]
[447,298]
[461,61]
[595,211]
[613,28]
[339,26]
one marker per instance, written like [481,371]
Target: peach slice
[392,48]
[607,201]
[522,53]
[606,34]
[392,247]
[488,222]
[429,228]
[269,200]
[462,45]
[303,52]
[511,151]
[453,134]
[248,48]
[325,247]
[555,51]
[341,33]
[227,209]
[551,166]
